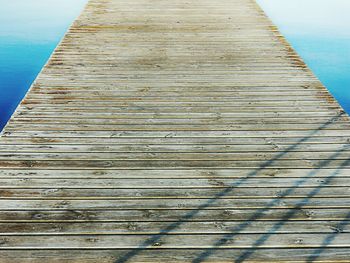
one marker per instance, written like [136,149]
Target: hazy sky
[319,16]
[37,19]
[319,30]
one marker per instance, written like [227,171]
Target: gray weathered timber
[175,131]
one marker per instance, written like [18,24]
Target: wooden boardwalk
[175,131]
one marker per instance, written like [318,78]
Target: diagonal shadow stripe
[154,238]
[329,239]
[235,231]
[244,256]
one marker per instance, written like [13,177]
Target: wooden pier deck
[175,131]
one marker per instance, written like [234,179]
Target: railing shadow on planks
[260,212]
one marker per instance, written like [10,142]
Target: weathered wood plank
[330,255]
[134,228]
[187,173]
[184,203]
[178,215]
[59,192]
[198,241]
[90,148]
[208,181]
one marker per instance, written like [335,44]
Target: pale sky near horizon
[318,16]
[37,19]
[319,30]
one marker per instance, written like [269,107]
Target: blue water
[29,32]
[319,31]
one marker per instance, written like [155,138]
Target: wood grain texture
[175,131]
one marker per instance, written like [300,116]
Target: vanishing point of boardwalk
[175,131]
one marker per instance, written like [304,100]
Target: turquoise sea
[31,29]
[29,32]
[319,31]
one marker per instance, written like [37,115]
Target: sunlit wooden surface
[175,131]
